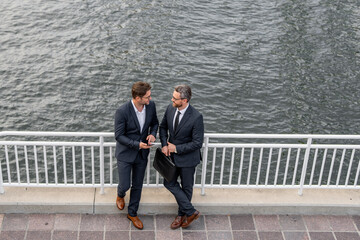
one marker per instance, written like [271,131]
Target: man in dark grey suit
[181,136]
[136,125]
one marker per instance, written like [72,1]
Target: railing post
[102,164]
[1,181]
[306,160]
[204,162]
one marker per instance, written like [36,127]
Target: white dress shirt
[181,115]
[140,115]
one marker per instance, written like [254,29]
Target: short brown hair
[139,89]
[185,91]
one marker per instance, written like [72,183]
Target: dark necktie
[177,120]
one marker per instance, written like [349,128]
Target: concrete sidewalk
[160,201]
[84,213]
[207,227]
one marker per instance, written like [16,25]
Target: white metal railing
[229,161]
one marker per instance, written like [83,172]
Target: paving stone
[341,223]
[347,235]
[12,235]
[69,222]
[196,235]
[65,235]
[91,235]
[321,236]
[36,235]
[217,222]
[116,235]
[296,236]
[245,235]
[15,222]
[148,222]
[163,222]
[1,219]
[117,222]
[219,235]
[242,222]
[270,236]
[198,224]
[356,220]
[41,222]
[291,222]
[317,223]
[92,222]
[143,235]
[267,223]
[166,235]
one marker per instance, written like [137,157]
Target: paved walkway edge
[160,201]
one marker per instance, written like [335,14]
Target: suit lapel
[133,114]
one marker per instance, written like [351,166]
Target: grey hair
[185,91]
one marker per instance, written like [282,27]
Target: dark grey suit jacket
[188,138]
[127,131]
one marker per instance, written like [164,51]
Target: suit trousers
[183,193]
[136,172]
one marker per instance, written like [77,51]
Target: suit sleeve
[163,130]
[120,130]
[197,138]
[154,123]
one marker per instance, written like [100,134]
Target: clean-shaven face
[145,100]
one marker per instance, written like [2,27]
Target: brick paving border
[207,227]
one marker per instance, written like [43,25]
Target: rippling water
[286,66]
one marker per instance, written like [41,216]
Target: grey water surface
[284,66]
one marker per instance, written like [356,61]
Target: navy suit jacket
[127,131]
[188,138]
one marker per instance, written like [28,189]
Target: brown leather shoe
[177,222]
[120,203]
[136,222]
[190,219]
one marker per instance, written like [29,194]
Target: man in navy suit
[136,125]
[181,136]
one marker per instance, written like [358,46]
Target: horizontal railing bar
[210,135]
[56,134]
[71,185]
[281,136]
[255,145]
[38,143]
[278,145]
[332,146]
[217,145]
[277,186]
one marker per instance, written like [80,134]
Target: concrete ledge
[160,201]
[47,200]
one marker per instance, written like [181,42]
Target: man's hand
[171,147]
[150,139]
[165,150]
[144,146]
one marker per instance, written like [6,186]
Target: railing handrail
[56,134]
[210,135]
